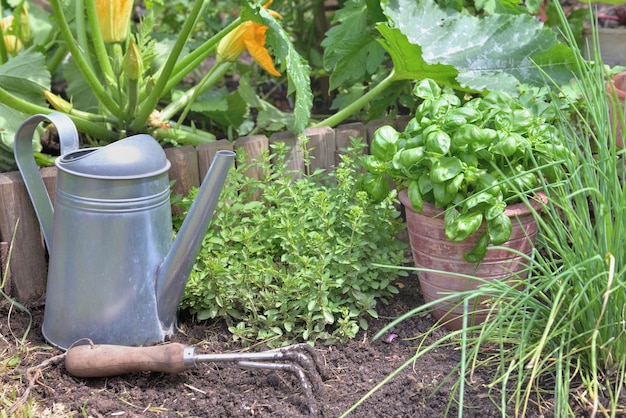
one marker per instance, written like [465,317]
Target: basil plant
[470,158]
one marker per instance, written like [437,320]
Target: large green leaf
[26,76]
[351,52]
[491,52]
[408,62]
[213,100]
[231,111]
[78,90]
[40,24]
[10,120]
[298,70]
[269,117]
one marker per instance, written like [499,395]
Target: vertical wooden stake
[184,171]
[253,145]
[295,157]
[344,135]
[206,153]
[28,260]
[321,147]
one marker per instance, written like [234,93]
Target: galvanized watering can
[114,274]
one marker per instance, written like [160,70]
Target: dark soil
[352,370]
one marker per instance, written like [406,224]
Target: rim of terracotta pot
[537,201]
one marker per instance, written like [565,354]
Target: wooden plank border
[28,264]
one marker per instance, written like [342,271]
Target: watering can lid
[138,155]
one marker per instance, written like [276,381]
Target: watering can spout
[174,271]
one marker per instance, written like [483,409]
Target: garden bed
[34,381]
[353,369]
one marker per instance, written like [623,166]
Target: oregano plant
[291,258]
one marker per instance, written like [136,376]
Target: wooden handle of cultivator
[112,360]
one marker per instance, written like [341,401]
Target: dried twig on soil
[32,376]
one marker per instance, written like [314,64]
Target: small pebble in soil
[273,380]
[389,339]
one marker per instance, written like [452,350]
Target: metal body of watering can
[114,274]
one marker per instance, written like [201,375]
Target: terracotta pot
[619,85]
[433,250]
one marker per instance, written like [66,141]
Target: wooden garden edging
[26,277]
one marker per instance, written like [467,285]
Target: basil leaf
[463,226]
[384,143]
[478,198]
[427,89]
[375,185]
[438,142]
[454,185]
[445,168]
[415,197]
[479,251]
[442,197]
[499,229]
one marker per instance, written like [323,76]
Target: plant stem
[4,55]
[83,125]
[115,52]
[183,135]
[81,30]
[79,59]
[215,73]
[191,61]
[56,58]
[133,94]
[64,106]
[148,105]
[98,43]
[91,117]
[358,104]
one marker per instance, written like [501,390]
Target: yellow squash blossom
[11,42]
[248,36]
[114,19]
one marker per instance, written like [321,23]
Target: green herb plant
[471,159]
[557,346]
[290,259]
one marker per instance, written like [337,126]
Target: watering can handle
[23,151]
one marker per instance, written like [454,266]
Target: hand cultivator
[102,360]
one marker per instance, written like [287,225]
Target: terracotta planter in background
[612,42]
[433,250]
[619,86]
